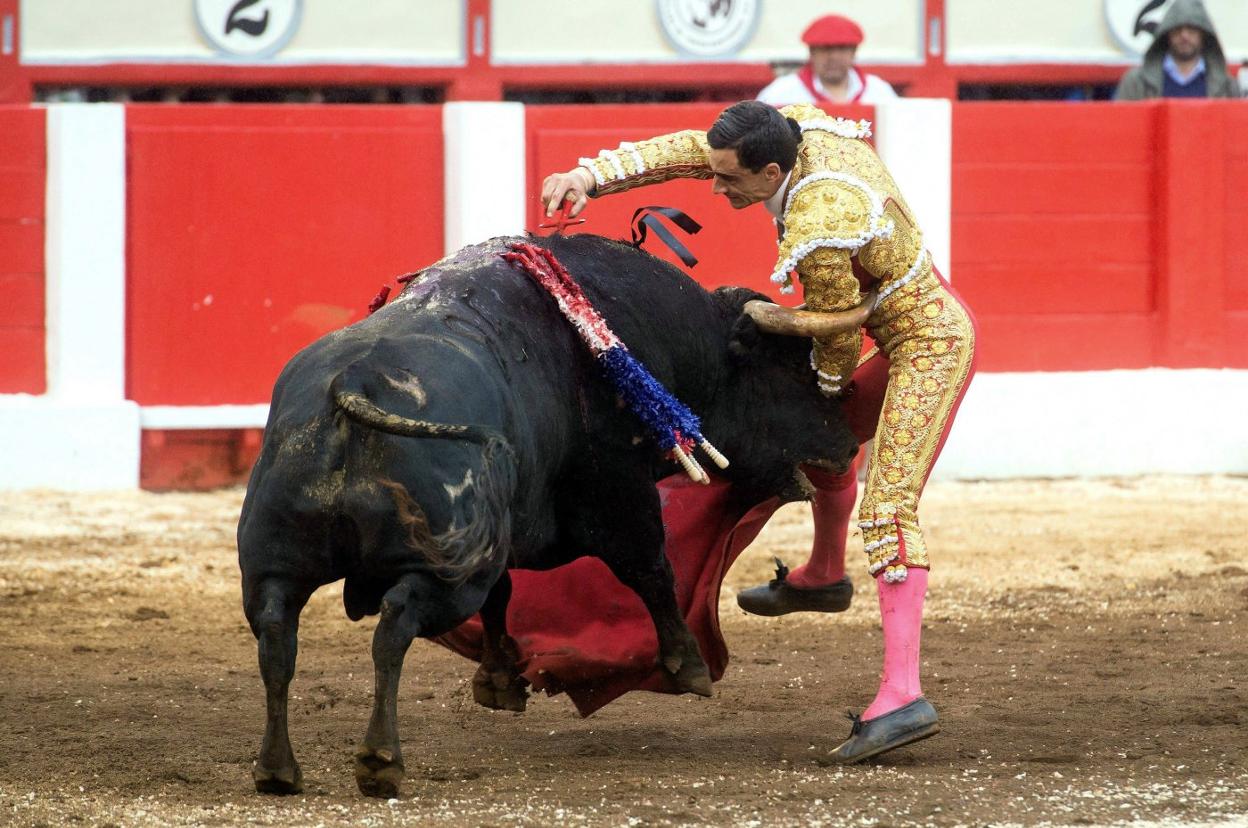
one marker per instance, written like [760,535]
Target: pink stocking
[832,507]
[901,612]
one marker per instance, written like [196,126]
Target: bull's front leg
[627,533]
[273,613]
[678,649]
[498,683]
[379,761]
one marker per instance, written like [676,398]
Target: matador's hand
[574,186]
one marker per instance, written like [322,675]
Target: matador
[845,232]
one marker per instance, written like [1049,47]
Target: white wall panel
[383,31]
[1060,31]
[83,434]
[607,31]
[1098,423]
[483,200]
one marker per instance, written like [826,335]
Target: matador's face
[741,185]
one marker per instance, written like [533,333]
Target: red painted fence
[22,186]
[1100,236]
[254,230]
[1085,236]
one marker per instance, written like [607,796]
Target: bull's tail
[485,537]
[366,412]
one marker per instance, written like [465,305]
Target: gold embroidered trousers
[927,343]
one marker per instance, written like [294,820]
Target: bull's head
[769,416]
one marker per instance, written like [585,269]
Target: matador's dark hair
[759,134]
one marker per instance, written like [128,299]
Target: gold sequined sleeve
[828,216]
[829,284]
[678,155]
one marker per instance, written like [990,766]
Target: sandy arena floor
[1086,647]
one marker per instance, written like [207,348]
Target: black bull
[464,429]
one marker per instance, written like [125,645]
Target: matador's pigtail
[795,128]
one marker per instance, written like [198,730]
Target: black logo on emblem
[1150,26]
[719,8]
[249,25]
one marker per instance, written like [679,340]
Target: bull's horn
[775,319]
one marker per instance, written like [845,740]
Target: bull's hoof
[689,674]
[695,678]
[285,781]
[378,773]
[500,690]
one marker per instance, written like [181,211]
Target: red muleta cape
[582,632]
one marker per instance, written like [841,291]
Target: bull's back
[431,378]
[470,341]
[459,358]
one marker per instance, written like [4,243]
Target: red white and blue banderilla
[670,423]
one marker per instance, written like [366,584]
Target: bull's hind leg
[498,683]
[626,532]
[273,612]
[379,761]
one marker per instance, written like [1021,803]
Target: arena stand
[162,263]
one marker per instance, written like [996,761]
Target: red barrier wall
[23,164]
[1235,262]
[1084,236]
[735,247]
[1098,236]
[252,230]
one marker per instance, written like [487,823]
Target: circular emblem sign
[708,28]
[248,28]
[1133,22]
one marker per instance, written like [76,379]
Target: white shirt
[788,89]
[1172,69]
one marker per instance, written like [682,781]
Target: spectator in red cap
[830,77]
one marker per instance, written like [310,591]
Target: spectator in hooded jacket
[1185,60]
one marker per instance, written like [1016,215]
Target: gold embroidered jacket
[841,204]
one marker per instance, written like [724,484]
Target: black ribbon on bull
[646,219]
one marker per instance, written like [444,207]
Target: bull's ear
[744,337]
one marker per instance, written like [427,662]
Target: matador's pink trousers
[901,604]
